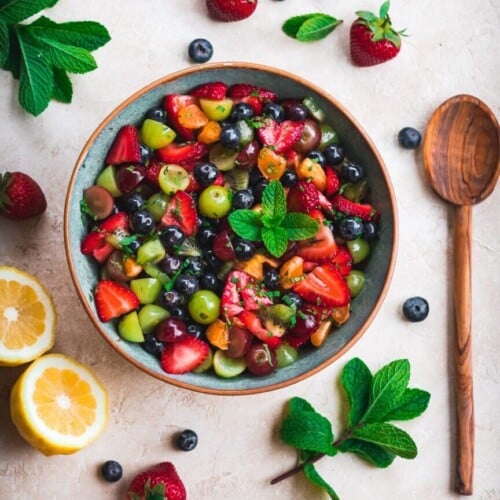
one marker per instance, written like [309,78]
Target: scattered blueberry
[171,299]
[243,249]
[317,156]
[370,230]
[275,111]
[334,154]
[146,153]
[296,112]
[352,172]
[230,136]
[350,228]
[158,114]
[416,309]
[206,236]
[289,178]
[409,138]
[111,471]
[186,284]
[187,440]
[209,281]
[205,173]
[293,300]
[243,199]
[178,313]
[133,202]
[143,222]
[241,111]
[194,266]
[195,329]
[258,189]
[271,277]
[200,50]
[152,345]
[172,236]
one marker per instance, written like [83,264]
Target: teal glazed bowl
[359,148]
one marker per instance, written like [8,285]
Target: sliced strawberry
[181,212]
[152,173]
[184,356]
[320,313]
[181,154]
[231,303]
[362,210]
[320,248]
[222,246]
[114,222]
[215,91]
[95,244]
[343,260]
[332,181]
[194,185]
[326,205]
[281,136]
[309,265]
[240,90]
[253,323]
[113,300]
[303,197]
[324,285]
[126,147]
[253,300]
[253,101]
[172,104]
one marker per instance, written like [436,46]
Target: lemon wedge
[58,405]
[27,317]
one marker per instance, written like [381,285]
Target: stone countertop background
[453,48]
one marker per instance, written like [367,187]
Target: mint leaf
[274,204]
[368,451]
[246,224]
[13,61]
[36,79]
[14,11]
[4,42]
[63,89]
[275,240]
[389,437]
[388,386]
[87,35]
[357,379]
[313,476]
[310,27]
[412,403]
[307,430]
[299,226]
[297,404]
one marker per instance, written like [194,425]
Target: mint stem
[346,435]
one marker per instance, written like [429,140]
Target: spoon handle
[463,353]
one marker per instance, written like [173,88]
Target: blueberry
[352,172]
[194,266]
[195,329]
[289,178]
[255,177]
[172,299]
[209,281]
[146,153]
[293,300]
[152,345]
[409,138]
[243,249]
[200,50]
[275,111]
[187,440]
[133,202]
[172,236]
[212,261]
[205,173]
[350,228]
[334,154]
[170,264]
[317,156]
[111,471]
[370,230]
[143,222]
[178,313]
[296,112]
[230,136]
[258,189]
[241,111]
[157,114]
[186,284]
[271,277]
[206,236]
[243,199]
[416,309]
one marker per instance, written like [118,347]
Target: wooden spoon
[461,158]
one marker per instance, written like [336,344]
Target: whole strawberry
[373,40]
[159,482]
[20,196]
[231,10]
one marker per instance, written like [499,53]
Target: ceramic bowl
[359,148]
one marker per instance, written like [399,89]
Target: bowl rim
[174,76]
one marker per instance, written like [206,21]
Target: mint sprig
[310,27]
[373,402]
[41,54]
[273,225]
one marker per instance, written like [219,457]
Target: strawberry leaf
[310,27]
[15,11]
[384,9]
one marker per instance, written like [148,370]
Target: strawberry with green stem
[373,40]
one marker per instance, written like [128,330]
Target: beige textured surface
[453,48]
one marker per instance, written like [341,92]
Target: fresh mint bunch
[374,401]
[41,54]
[273,225]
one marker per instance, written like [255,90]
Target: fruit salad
[230,228]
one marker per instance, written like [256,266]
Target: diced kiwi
[216,110]
[146,289]
[130,329]
[107,180]
[224,159]
[314,109]
[355,191]
[237,178]
[247,132]
[188,248]
[328,136]
[150,316]
[280,313]
[155,272]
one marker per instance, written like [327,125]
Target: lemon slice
[27,317]
[58,405]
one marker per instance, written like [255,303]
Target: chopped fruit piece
[184,356]
[113,300]
[150,316]
[218,334]
[303,197]
[107,180]
[281,136]
[216,110]
[227,367]
[343,260]
[255,265]
[240,90]
[126,147]
[159,482]
[182,154]
[332,181]
[181,212]
[215,91]
[312,171]
[173,178]
[341,314]
[99,201]
[210,133]
[320,248]
[152,172]
[236,281]
[116,221]
[155,134]
[131,268]
[319,336]
[260,360]
[324,285]
[253,300]
[172,104]
[192,117]
[130,329]
[271,164]
[253,323]
[291,272]
[348,207]
[222,246]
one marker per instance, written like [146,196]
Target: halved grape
[359,250]
[99,201]
[173,178]
[150,316]
[155,134]
[285,355]
[239,342]
[156,205]
[216,110]
[107,179]
[227,367]
[260,359]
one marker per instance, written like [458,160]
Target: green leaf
[389,437]
[412,403]
[299,226]
[388,386]
[297,404]
[63,89]
[72,59]
[13,61]
[313,476]
[384,9]
[292,25]
[4,43]
[356,379]
[274,204]
[14,11]
[87,35]
[307,430]
[36,77]
[367,16]
[246,224]
[275,240]
[369,452]
[310,27]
